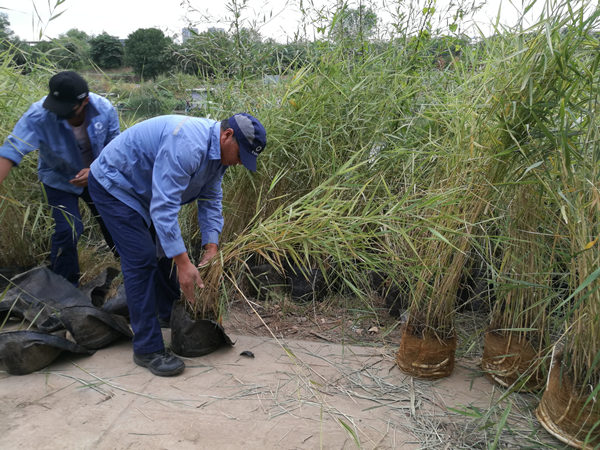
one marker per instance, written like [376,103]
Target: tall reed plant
[24,220]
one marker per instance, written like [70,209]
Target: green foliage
[5,32]
[207,54]
[354,24]
[217,53]
[76,35]
[11,48]
[290,56]
[145,51]
[24,220]
[149,100]
[72,49]
[106,51]
[62,52]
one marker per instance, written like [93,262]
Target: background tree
[6,34]
[12,48]
[248,41]
[106,51]
[45,52]
[282,57]
[353,24]
[71,49]
[216,52]
[209,53]
[145,51]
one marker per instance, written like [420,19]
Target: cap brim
[248,160]
[61,109]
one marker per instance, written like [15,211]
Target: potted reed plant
[428,342]
[517,338]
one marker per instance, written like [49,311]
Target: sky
[277,19]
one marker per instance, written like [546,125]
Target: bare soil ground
[475,420]
[314,322]
[321,377]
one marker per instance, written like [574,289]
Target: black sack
[23,352]
[93,328]
[117,304]
[38,294]
[97,289]
[195,337]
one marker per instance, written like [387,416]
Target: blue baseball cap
[250,136]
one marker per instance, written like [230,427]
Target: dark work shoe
[163,364]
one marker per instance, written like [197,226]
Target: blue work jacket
[59,155]
[157,165]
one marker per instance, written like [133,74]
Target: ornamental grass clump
[525,101]
[344,228]
[319,117]
[570,405]
[428,340]
[518,336]
[454,168]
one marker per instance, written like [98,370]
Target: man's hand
[188,276]
[210,251]
[81,179]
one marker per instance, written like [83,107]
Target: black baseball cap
[67,89]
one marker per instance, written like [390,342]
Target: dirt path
[294,393]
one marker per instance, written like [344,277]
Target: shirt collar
[214,150]
[90,109]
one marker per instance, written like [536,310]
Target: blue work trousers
[150,281]
[67,229]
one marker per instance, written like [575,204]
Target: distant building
[187,33]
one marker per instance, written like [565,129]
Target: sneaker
[162,364]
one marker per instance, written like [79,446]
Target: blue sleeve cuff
[8,151]
[173,248]
[212,237]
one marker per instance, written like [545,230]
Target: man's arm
[210,218]
[24,138]
[5,167]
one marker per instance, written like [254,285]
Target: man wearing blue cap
[69,127]
[139,183]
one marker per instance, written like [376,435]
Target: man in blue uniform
[69,127]
[138,184]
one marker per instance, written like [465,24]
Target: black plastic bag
[195,337]
[23,352]
[93,328]
[118,303]
[39,293]
[97,289]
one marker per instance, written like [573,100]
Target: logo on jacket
[98,126]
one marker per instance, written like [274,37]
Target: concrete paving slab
[292,395]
